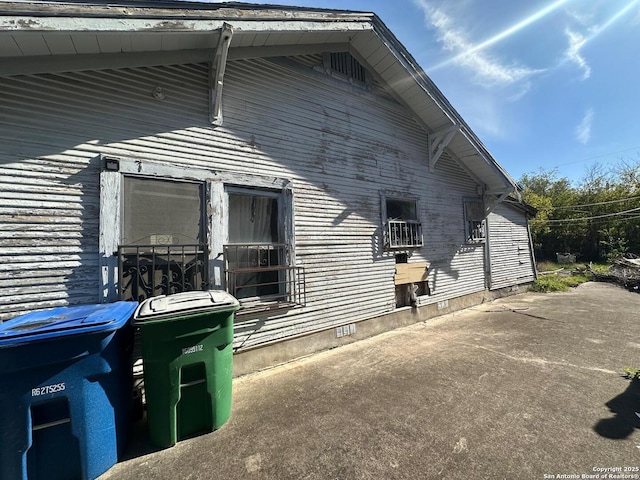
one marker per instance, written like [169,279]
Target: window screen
[161,212]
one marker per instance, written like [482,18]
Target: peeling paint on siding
[277,123]
[511,257]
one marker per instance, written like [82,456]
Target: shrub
[631,373]
[556,283]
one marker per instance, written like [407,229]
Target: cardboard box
[411,272]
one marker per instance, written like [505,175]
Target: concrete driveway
[526,387]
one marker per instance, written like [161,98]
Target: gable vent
[344,64]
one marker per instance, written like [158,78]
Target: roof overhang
[45,37]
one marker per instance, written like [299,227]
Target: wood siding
[511,257]
[339,145]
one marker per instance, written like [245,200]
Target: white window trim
[286,230]
[384,196]
[216,183]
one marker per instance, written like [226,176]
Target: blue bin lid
[58,322]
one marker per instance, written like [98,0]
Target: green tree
[546,191]
[597,218]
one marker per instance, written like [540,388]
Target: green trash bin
[187,355]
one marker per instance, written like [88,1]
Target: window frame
[385,197]
[280,188]
[154,268]
[469,235]
[285,229]
[215,212]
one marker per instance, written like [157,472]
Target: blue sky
[544,84]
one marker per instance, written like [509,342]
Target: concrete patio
[527,386]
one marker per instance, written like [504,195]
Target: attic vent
[344,64]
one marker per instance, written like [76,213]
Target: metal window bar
[149,270]
[256,255]
[262,274]
[476,230]
[288,284]
[403,234]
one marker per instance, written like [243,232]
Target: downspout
[487,254]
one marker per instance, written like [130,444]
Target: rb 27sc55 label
[47,389]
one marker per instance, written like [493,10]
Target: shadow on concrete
[139,444]
[624,408]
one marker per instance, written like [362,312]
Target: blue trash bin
[65,391]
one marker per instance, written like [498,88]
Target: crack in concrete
[537,360]
[520,311]
[537,317]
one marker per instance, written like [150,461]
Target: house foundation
[275,353]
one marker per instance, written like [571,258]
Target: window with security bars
[258,257]
[163,248]
[475,224]
[402,228]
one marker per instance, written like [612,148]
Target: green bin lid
[168,307]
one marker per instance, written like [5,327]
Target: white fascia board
[76,24]
[413,70]
[427,85]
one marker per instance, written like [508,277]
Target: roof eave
[192,18]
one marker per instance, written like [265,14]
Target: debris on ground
[624,271]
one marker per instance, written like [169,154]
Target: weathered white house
[299,158]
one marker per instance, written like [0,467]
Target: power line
[597,156]
[594,217]
[601,221]
[565,207]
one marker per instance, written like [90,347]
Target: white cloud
[583,18]
[583,130]
[487,70]
[576,42]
